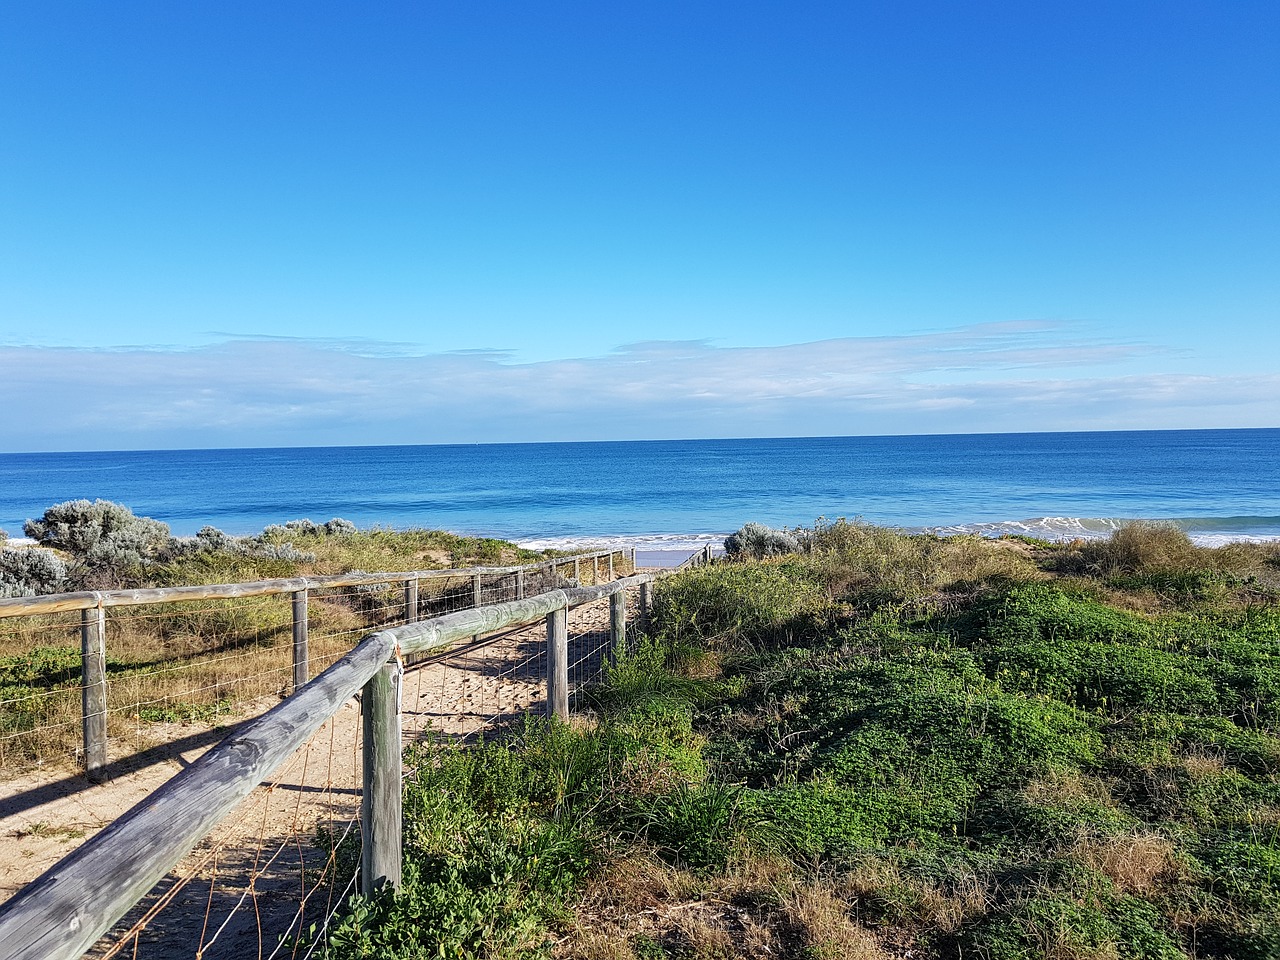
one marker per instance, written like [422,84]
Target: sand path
[261,874]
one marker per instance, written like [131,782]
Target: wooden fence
[93,607]
[66,910]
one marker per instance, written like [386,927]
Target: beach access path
[241,887]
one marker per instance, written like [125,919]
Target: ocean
[1219,485]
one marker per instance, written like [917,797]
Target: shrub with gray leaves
[212,540]
[755,540]
[337,527]
[31,572]
[108,542]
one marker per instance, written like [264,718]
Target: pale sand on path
[239,890]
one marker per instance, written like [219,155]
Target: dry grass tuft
[920,904]
[1200,765]
[1142,547]
[1136,863]
[829,932]
[760,909]
[1063,786]
[857,557]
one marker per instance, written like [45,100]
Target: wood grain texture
[380,814]
[64,912]
[93,690]
[301,653]
[618,623]
[558,664]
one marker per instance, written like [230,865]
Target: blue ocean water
[1219,484]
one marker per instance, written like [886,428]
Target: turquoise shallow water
[1219,484]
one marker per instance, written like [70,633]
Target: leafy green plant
[184,712]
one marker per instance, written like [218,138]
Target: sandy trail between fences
[240,890]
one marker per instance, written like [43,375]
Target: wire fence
[267,879]
[276,872]
[178,665]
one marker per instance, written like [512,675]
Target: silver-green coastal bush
[108,542]
[77,526]
[755,540]
[337,527]
[210,540]
[31,573]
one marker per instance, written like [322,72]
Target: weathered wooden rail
[94,604]
[65,911]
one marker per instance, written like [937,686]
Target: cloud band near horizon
[998,377]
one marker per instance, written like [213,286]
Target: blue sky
[257,224]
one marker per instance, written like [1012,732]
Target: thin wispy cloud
[1002,376]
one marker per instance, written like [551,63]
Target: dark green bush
[1046,925]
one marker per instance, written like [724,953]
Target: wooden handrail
[62,913]
[88,600]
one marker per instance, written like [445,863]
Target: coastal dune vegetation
[873,745]
[194,661]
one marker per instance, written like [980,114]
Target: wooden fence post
[301,656]
[610,566]
[476,596]
[520,584]
[646,593]
[558,664]
[381,805]
[618,623]
[577,574]
[411,600]
[93,698]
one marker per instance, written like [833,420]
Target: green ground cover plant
[883,745]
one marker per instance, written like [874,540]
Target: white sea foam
[1055,529]
[651,542]
[1089,528]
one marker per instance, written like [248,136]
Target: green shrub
[723,603]
[1246,870]
[694,826]
[1046,925]
[1041,640]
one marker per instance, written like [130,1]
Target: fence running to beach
[211,864]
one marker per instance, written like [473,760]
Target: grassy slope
[886,746]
